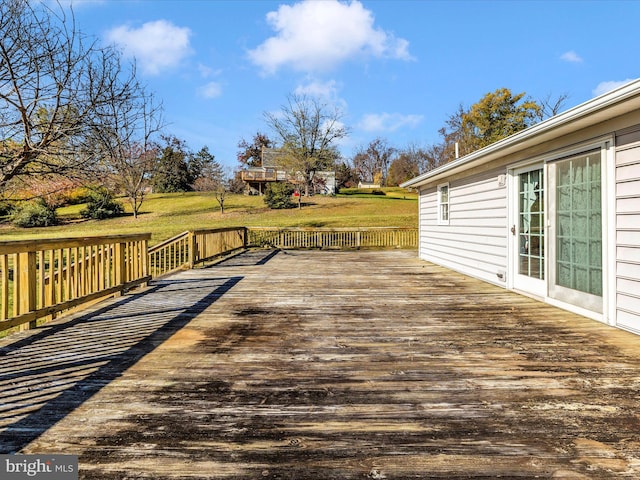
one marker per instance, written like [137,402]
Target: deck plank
[326,365]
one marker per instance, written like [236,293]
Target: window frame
[441,204]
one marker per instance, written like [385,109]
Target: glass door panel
[528,239]
[531,224]
[577,266]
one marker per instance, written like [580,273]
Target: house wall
[475,241]
[627,225]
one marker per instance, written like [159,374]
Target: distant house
[552,211]
[368,185]
[257,178]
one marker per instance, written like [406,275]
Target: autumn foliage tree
[497,115]
[412,161]
[250,153]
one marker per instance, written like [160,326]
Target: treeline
[496,116]
[311,147]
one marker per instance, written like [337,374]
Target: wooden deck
[326,365]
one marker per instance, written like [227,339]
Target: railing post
[192,250]
[26,286]
[145,260]
[119,263]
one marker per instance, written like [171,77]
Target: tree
[56,87]
[250,154]
[220,192]
[127,144]
[496,116]
[208,173]
[199,162]
[101,204]
[346,176]
[550,107]
[235,184]
[134,165]
[173,172]
[410,162]
[456,141]
[309,131]
[403,168]
[210,176]
[278,195]
[372,163]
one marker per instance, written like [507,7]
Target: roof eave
[555,126]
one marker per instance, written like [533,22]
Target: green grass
[165,215]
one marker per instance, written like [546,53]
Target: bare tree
[127,146]
[220,192]
[552,106]
[309,131]
[57,87]
[372,162]
[410,162]
[212,177]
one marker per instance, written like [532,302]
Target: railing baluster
[4,266]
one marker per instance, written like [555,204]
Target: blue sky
[396,68]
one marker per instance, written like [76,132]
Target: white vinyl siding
[627,224]
[474,242]
[443,204]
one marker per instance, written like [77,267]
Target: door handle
[513,230]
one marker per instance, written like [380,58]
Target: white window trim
[441,220]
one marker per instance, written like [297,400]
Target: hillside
[165,215]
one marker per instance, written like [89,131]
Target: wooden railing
[189,249]
[337,238]
[41,278]
[270,175]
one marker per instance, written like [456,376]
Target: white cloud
[388,122]
[207,72]
[604,87]
[211,90]
[313,36]
[317,89]
[571,57]
[155,45]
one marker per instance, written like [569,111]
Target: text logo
[49,467]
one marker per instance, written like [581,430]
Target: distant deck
[325,365]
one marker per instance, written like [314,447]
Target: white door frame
[533,286]
[606,144]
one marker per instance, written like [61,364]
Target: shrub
[77,195]
[34,214]
[278,195]
[6,207]
[101,204]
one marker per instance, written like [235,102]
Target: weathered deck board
[326,365]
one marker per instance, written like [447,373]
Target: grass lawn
[165,215]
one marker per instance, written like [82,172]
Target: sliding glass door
[575,261]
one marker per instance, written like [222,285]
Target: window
[443,204]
